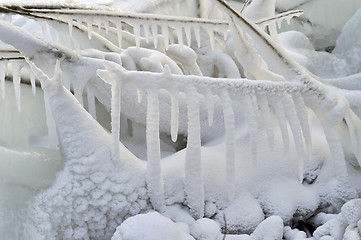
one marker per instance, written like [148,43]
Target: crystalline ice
[2,78]
[179,32]
[197,33]
[154,29]
[146,31]
[302,114]
[165,32]
[282,122]
[187,31]
[32,82]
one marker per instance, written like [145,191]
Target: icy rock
[150,226]
[270,229]
[206,229]
[243,215]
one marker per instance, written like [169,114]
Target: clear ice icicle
[154,175]
[179,32]
[194,186]
[91,103]
[2,78]
[16,82]
[294,123]
[229,124]
[302,114]
[89,25]
[119,33]
[146,31]
[115,119]
[70,26]
[174,116]
[165,32]
[267,119]
[154,29]
[282,122]
[136,31]
[32,82]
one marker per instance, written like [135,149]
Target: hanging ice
[136,31]
[154,29]
[229,124]
[187,31]
[291,115]
[210,32]
[16,67]
[119,33]
[174,116]
[50,122]
[179,32]
[267,119]
[154,176]
[197,33]
[194,186]
[146,31]
[115,116]
[32,82]
[2,78]
[165,32]
[89,25]
[279,110]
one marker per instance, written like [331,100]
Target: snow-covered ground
[229,153]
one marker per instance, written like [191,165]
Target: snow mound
[150,226]
[346,225]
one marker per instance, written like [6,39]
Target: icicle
[154,29]
[194,186]
[252,122]
[282,122]
[2,78]
[115,119]
[106,26]
[119,33]
[32,82]
[89,25]
[136,31]
[44,27]
[70,26]
[294,123]
[139,96]
[187,31]
[267,119]
[279,23]
[211,37]
[302,114]
[50,123]
[174,115]
[91,103]
[210,107]
[165,32]
[179,32]
[146,31]
[154,175]
[78,94]
[16,82]
[289,18]
[229,124]
[197,33]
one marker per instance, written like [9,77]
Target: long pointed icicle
[154,29]
[187,31]
[303,117]
[295,125]
[16,82]
[197,33]
[154,175]
[179,32]
[146,31]
[50,123]
[252,125]
[267,119]
[115,116]
[194,186]
[279,111]
[165,32]
[136,31]
[174,116]
[32,82]
[2,78]
[119,34]
[70,26]
[229,125]
[89,25]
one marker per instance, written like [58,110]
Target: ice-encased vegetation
[140,124]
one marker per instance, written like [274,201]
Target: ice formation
[238,137]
